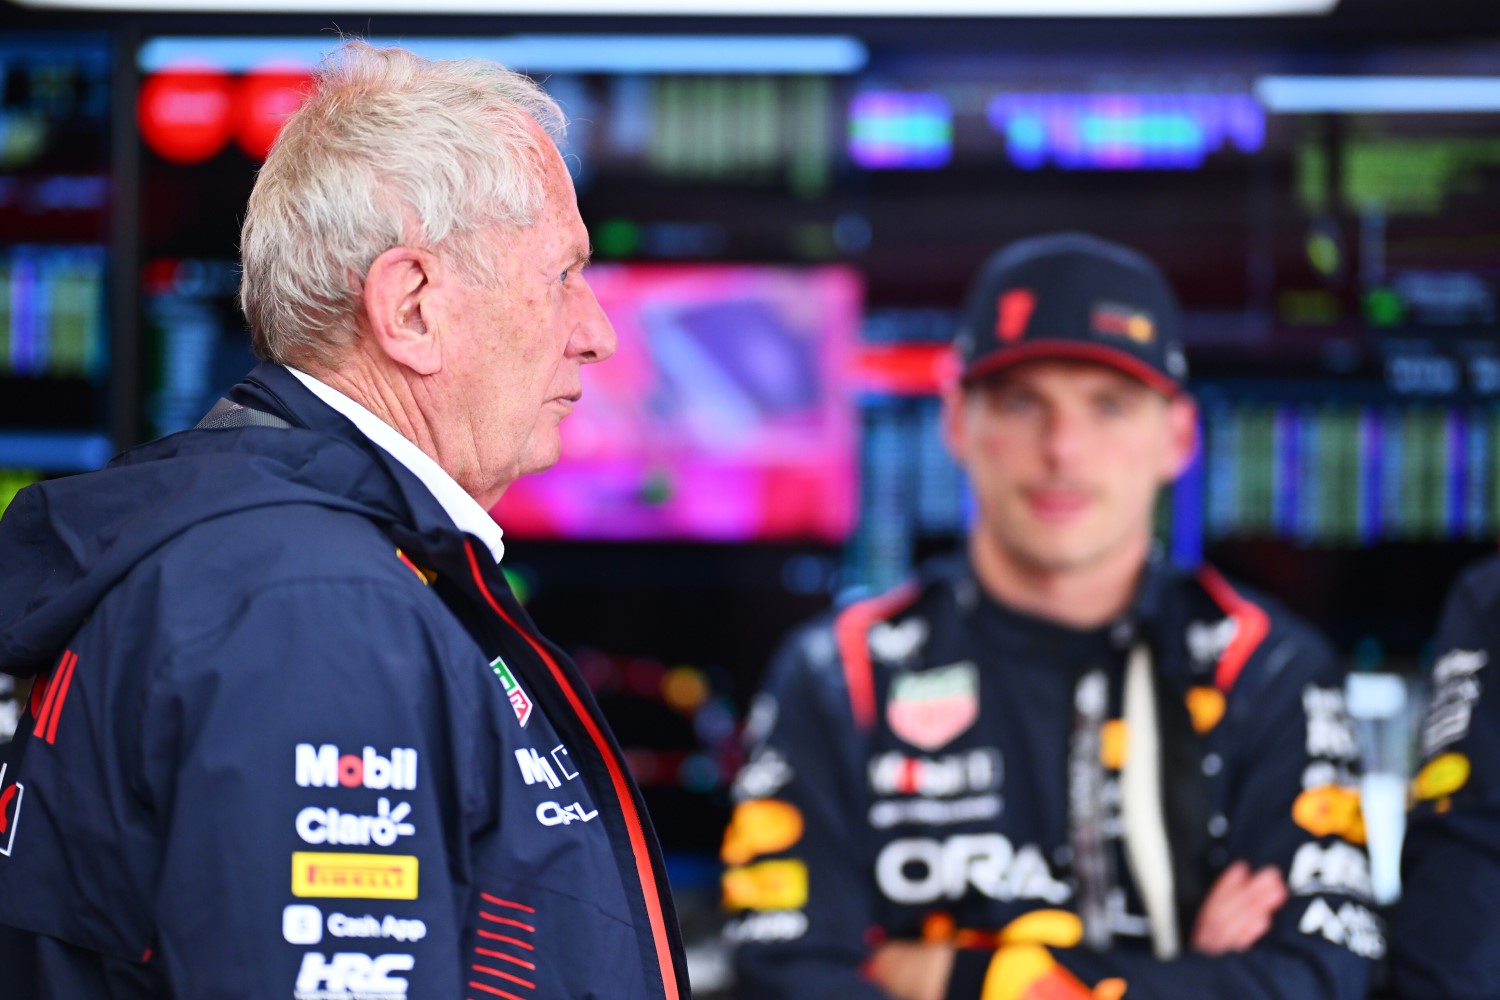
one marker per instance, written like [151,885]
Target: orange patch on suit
[760,826]
[1330,810]
[1205,706]
[769,885]
[1113,737]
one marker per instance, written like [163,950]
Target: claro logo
[324,767]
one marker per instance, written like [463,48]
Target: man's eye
[564,276]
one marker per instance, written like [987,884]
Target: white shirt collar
[465,511]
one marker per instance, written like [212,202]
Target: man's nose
[594,337]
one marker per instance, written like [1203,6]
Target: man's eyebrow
[582,258]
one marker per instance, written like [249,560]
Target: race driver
[1055,766]
[292,736]
[1444,934]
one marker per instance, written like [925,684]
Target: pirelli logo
[354,876]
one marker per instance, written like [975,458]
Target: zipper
[639,850]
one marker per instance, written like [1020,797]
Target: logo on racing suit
[1455,690]
[931,708]
[343,925]
[329,826]
[352,976]
[766,773]
[1330,732]
[519,699]
[324,767]
[538,770]
[552,814]
[1351,925]
[302,923]
[1335,868]
[317,875]
[766,885]
[760,826]
[10,811]
[1441,776]
[936,777]
[920,870]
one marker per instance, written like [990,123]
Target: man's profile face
[1065,459]
[518,349]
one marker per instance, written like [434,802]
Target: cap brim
[1073,350]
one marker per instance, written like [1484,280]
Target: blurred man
[292,736]
[1055,767]
[1445,936]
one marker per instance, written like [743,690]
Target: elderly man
[291,735]
[1056,767]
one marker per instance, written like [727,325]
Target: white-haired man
[291,734]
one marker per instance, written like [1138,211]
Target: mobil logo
[324,766]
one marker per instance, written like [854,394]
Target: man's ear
[954,400]
[1182,431]
[397,300]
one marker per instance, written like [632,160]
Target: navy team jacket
[1445,933]
[292,736]
[915,772]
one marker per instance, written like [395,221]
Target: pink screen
[726,413]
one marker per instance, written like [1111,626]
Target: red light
[266,97]
[184,114]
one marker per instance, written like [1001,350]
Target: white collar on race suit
[465,511]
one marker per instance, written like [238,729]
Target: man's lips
[1058,504]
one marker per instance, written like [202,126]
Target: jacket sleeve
[798,882]
[1445,933]
[308,791]
[1294,804]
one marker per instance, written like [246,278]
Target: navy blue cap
[1072,296]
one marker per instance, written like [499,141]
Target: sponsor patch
[388,928]
[774,925]
[933,812]
[1207,641]
[1114,740]
[1330,811]
[766,885]
[323,766]
[1330,733]
[334,828]
[302,923]
[352,976]
[1205,707]
[921,870]
[1441,776]
[319,875]
[1337,867]
[1122,321]
[758,827]
[931,708]
[519,699]
[1351,925]
[554,814]
[960,773]
[1013,311]
[1455,691]
[10,810]
[893,644]
[766,773]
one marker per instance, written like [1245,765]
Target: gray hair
[388,149]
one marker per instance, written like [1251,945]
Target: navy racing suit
[932,765]
[1445,934]
[292,736]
